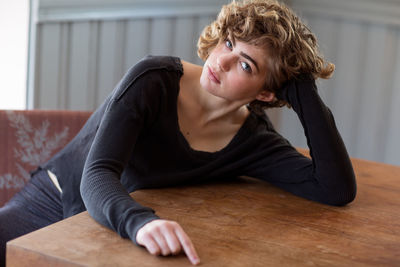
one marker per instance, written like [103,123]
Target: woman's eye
[246,67]
[228,44]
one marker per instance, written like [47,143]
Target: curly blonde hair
[291,46]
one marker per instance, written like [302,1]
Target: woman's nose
[224,62]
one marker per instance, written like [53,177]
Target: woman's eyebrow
[249,58]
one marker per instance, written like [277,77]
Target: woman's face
[236,72]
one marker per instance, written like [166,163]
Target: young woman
[170,122]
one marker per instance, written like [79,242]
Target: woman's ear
[265,96]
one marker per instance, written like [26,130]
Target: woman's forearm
[332,167]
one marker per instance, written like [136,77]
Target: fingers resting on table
[164,237]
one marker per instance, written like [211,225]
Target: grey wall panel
[120,47]
[392,142]
[79,96]
[49,63]
[372,95]
[327,32]
[202,22]
[93,66]
[161,36]
[109,60]
[137,41]
[185,38]
[384,94]
[275,115]
[64,70]
[343,96]
[291,128]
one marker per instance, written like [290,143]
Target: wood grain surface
[244,222]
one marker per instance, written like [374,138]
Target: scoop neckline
[231,143]
[185,142]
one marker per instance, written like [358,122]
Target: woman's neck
[203,105]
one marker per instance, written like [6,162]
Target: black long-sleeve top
[133,141]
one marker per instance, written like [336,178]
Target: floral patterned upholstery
[29,138]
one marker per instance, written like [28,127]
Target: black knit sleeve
[106,200]
[328,176]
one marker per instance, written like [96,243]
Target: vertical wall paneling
[161,33]
[385,92]
[33,51]
[344,98]
[120,47]
[291,128]
[137,42]
[392,146]
[202,22]
[49,55]
[107,59]
[185,39]
[63,71]
[327,32]
[275,115]
[372,91]
[34,73]
[358,89]
[93,56]
[79,66]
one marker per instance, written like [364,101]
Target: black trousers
[37,205]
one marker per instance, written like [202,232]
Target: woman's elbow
[346,198]
[342,195]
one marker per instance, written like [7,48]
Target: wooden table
[240,223]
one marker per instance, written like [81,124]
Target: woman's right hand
[166,238]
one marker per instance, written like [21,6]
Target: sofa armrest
[29,138]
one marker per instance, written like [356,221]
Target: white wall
[14,17]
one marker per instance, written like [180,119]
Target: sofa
[29,138]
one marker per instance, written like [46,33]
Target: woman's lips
[212,76]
